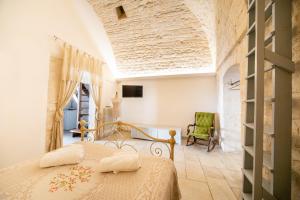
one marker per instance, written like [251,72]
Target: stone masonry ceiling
[157,37]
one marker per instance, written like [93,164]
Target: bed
[156,179]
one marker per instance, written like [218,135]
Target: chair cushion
[204,122]
[201,132]
[204,119]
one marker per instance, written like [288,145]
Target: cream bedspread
[156,179]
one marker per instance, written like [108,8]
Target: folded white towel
[120,161]
[71,154]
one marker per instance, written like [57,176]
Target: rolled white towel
[71,154]
[120,161]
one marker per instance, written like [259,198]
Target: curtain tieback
[59,115]
[97,115]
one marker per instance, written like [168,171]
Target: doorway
[80,107]
[231,129]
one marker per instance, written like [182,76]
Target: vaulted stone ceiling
[158,37]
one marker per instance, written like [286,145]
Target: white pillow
[120,161]
[71,154]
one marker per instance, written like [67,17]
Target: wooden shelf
[269,38]
[269,99]
[263,57]
[251,29]
[269,68]
[249,149]
[251,52]
[247,196]
[251,5]
[83,106]
[268,10]
[249,101]
[249,125]
[267,160]
[267,185]
[248,174]
[250,76]
[280,61]
[269,131]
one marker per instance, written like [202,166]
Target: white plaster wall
[25,30]
[170,101]
[108,88]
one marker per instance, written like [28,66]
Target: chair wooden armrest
[211,131]
[188,128]
[212,128]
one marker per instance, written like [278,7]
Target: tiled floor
[69,139]
[216,175]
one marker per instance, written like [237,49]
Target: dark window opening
[121,12]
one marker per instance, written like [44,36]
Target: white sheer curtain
[96,89]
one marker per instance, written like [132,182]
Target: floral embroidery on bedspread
[67,181]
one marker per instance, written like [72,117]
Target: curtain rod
[58,38]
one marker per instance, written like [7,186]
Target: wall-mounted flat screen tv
[132,91]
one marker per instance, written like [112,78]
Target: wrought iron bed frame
[118,126]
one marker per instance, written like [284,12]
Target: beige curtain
[74,64]
[70,77]
[96,87]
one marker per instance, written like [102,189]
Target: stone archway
[231,110]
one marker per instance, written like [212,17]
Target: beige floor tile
[212,161]
[194,171]
[233,177]
[232,162]
[179,159]
[220,189]
[194,190]
[237,192]
[238,155]
[179,147]
[179,155]
[212,172]
[181,171]
[195,149]
[191,157]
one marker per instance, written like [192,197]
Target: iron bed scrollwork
[119,140]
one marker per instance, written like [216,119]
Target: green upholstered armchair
[203,130]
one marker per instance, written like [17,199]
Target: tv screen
[132,91]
